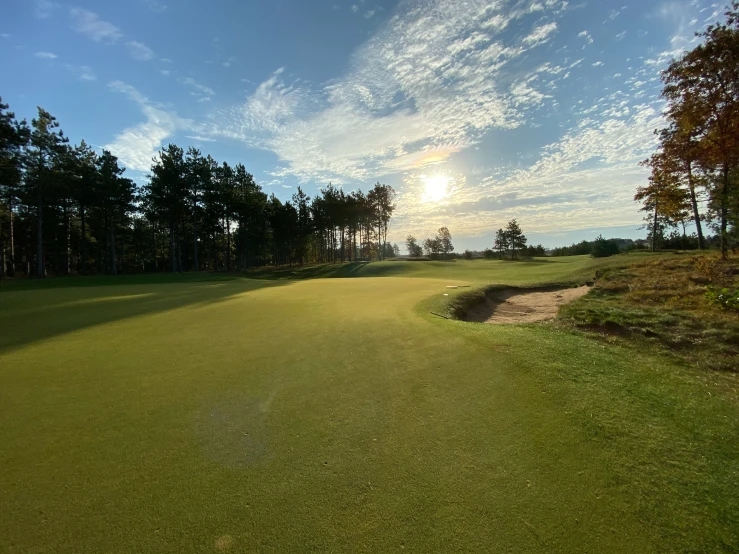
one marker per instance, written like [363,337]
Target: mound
[522,306]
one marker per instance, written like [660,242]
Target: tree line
[437,247]
[697,161]
[68,209]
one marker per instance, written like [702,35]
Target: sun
[436,187]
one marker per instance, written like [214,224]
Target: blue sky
[474,111]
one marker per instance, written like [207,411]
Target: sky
[476,112]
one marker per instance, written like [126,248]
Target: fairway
[322,414]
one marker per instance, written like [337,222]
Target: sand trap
[522,306]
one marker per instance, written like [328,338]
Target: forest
[67,209]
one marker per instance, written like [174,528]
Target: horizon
[475,114]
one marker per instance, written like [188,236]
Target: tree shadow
[330,271]
[34,315]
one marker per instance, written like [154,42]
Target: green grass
[277,415]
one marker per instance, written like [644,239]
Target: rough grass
[339,415]
[660,302]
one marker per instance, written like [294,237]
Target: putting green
[338,415]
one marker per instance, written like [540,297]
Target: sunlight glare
[436,187]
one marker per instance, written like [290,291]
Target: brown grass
[662,300]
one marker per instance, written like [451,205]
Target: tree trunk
[83,240]
[68,221]
[12,238]
[154,243]
[228,244]
[724,209]
[178,244]
[2,256]
[40,239]
[696,215]
[172,252]
[196,262]
[654,228]
[342,244]
[113,259]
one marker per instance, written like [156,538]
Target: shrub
[726,298]
[467,255]
[603,248]
[489,254]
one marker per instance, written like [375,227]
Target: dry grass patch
[663,301]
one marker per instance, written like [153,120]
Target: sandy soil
[521,306]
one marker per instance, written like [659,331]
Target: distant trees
[444,239]
[68,209]
[700,145]
[412,246]
[439,246]
[510,241]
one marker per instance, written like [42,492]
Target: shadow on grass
[332,271]
[113,280]
[28,316]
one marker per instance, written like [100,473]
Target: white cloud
[137,145]
[541,34]
[82,72]
[140,51]
[45,55]
[584,180]
[585,35]
[44,8]
[414,95]
[155,6]
[355,8]
[199,138]
[90,25]
[369,13]
[201,92]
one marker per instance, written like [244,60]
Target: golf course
[327,409]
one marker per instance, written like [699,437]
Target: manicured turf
[237,415]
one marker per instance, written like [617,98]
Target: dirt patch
[522,306]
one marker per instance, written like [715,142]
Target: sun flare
[436,187]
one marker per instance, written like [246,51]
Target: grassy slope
[241,415]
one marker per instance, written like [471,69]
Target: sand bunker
[522,306]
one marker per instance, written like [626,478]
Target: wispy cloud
[585,36]
[198,138]
[202,92]
[140,51]
[585,179]
[44,8]
[137,145]
[82,72]
[89,24]
[45,55]
[541,34]
[414,95]
[155,6]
